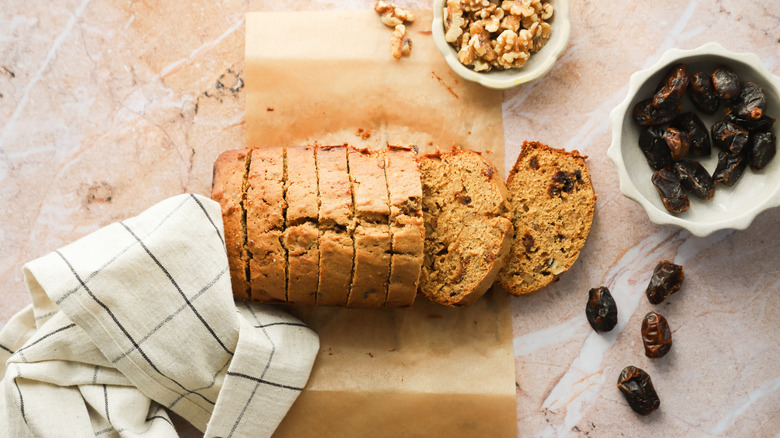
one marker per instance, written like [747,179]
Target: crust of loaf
[227,189]
[371,237]
[552,202]
[467,224]
[301,236]
[265,207]
[335,226]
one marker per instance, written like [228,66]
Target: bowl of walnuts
[694,141]
[501,44]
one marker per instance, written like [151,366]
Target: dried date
[653,145]
[763,149]
[679,142]
[667,183]
[656,335]
[763,124]
[726,83]
[751,104]
[646,114]
[700,145]
[601,310]
[729,168]
[637,387]
[667,279]
[702,93]
[671,89]
[695,179]
[729,137]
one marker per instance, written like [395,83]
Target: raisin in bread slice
[467,226]
[552,201]
[228,189]
[372,233]
[265,212]
[335,223]
[406,225]
[301,235]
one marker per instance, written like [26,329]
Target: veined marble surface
[107,107]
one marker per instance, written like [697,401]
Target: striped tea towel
[139,316]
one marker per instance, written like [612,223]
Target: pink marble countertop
[107,107]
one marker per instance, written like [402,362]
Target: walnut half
[393,15]
[400,44]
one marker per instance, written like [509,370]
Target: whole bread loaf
[552,202]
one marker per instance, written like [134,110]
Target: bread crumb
[364,134]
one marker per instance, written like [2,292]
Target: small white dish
[538,64]
[732,207]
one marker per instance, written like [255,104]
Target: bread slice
[301,236]
[335,226]
[406,225]
[265,212]
[467,226]
[230,171]
[552,202]
[372,234]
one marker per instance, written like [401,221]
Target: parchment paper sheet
[424,371]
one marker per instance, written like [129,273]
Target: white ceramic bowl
[732,207]
[538,64]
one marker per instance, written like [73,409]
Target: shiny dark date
[637,387]
[601,310]
[763,124]
[727,136]
[702,93]
[763,149]
[671,89]
[656,335]
[751,104]
[667,279]
[695,179]
[729,168]
[653,145]
[645,114]
[726,83]
[700,145]
[679,142]
[667,183]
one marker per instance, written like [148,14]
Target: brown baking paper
[322,77]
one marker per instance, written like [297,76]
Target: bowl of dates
[694,141]
[501,44]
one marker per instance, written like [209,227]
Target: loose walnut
[455,21]
[393,15]
[488,36]
[512,49]
[400,44]
[480,40]
[475,5]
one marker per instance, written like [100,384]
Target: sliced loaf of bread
[552,202]
[335,224]
[265,211]
[406,225]
[372,235]
[230,170]
[301,235]
[467,226]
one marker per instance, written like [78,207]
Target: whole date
[637,387]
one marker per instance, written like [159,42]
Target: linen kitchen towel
[139,316]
